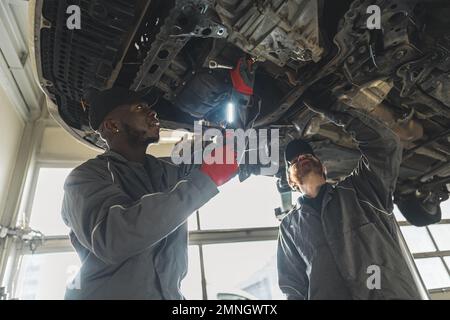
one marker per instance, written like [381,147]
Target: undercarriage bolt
[400,54]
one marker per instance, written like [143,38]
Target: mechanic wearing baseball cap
[338,234]
[127,210]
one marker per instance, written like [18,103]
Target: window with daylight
[44,274]
[47,200]
[430,247]
[241,268]
[249,204]
[244,269]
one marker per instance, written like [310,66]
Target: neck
[131,153]
[312,188]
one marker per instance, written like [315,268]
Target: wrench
[214,65]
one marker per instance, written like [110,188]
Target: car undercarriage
[399,73]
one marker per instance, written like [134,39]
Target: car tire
[418,212]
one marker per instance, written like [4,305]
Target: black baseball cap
[296,148]
[103,102]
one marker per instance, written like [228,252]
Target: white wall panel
[11,130]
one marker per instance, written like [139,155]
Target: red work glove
[243,76]
[221,173]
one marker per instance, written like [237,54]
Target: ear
[324,170]
[111,125]
[289,180]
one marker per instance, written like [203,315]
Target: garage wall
[11,130]
[57,144]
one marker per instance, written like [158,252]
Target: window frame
[46,164]
[62,241]
[441,254]
[57,164]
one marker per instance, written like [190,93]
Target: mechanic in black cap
[311,179]
[127,210]
[341,241]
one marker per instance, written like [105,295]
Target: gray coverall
[128,226]
[329,254]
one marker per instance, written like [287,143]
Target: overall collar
[113,155]
[118,157]
[152,166]
[325,199]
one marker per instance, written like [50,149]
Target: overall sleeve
[292,277]
[175,172]
[381,151]
[109,224]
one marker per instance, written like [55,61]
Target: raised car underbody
[400,74]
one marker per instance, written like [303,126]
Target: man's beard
[150,140]
[137,138]
[313,167]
